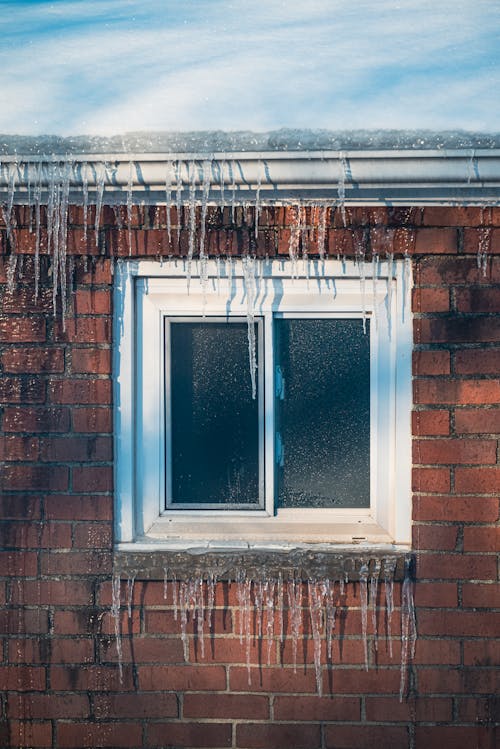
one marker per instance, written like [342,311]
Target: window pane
[214,419]
[323,412]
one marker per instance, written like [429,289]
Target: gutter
[388,177]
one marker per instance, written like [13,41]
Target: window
[256,407]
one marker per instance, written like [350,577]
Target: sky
[110,66]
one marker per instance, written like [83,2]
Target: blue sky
[110,66]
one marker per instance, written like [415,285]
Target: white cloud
[110,66]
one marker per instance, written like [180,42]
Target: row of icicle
[263,602]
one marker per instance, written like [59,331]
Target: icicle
[375,274]
[130,594]
[38,200]
[183,606]
[178,197]
[211,583]
[199,612]
[175,597]
[269,590]
[243,596]
[192,220]
[363,594]
[281,628]
[205,192]
[408,625]
[294,241]
[129,205]
[85,191]
[390,275]
[165,583]
[257,198]
[359,249]
[168,200]
[323,211]
[232,176]
[100,181]
[63,209]
[294,590]
[115,613]
[258,593]
[373,598]
[316,614]
[7,211]
[28,169]
[389,568]
[118,217]
[222,198]
[344,172]
[249,276]
[471,167]
[330,615]
[11,272]
[483,248]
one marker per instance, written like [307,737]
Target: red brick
[431,479]
[76,449]
[456,330]
[477,421]
[92,479]
[430,300]
[272,679]
[478,709]
[33,360]
[31,733]
[477,361]
[83,621]
[75,562]
[35,535]
[18,563]
[22,390]
[181,678]
[22,330]
[32,650]
[477,595]
[163,622]
[129,625]
[462,392]
[53,419]
[92,420]
[277,736]
[431,362]
[434,537]
[450,508]
[478,538]
[50,706]
[427,709]
[365,737]
[94,678]
[189,735]
[436,241]
[316,708]
[93,536]
[93,361]
[458,737]
[477,480]
[478,299]
[14,620]
[456,566]
[482,652]
[80,507]
[92,302]
[457,623]
[53,593]
[431,423]
[456,270]
[19,448]
[23,300]
[19,507]
[84,330]
[439,451]
[22,678]
[97,271]
[71,650]
[440,681]
[439,651]
[99,734]
[139,649]
[474,238]
[80,391]
[436,594]
[233,706]
[35,478]
[149,705]
[453,216]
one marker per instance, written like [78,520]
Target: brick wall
[59,677]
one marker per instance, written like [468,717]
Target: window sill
[227,560]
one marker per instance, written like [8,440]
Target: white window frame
[146,293]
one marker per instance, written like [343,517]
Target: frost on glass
[214,419]
[323,412]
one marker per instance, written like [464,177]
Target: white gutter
[389,177]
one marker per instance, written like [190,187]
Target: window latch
[279,386]
[280,451]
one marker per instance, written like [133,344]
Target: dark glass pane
[324,416]
[215,445]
